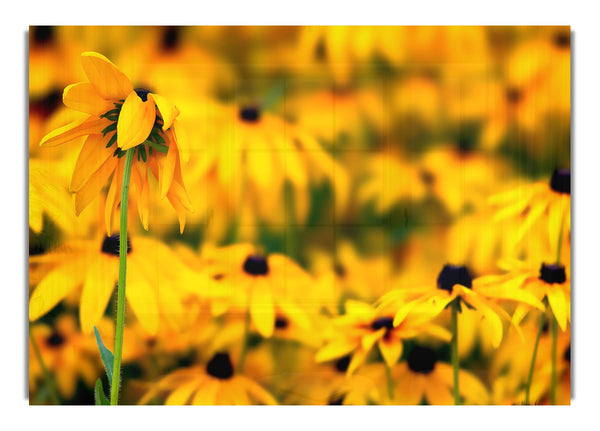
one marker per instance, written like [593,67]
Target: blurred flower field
[314,215]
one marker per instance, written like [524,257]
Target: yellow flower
[362,327]
[268,287]
[213,384]
[66,353]
[530,203]
[154,277]
[455,283]
[119,114]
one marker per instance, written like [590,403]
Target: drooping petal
[135,121]
[336,349]
[556,298]
[369,340]
[92,155]
[54,287]
[167,110]
[358,358]
[166,170]
[114,196]
[83,97]
[108,80]
[391,350]
[94,185]
[81,127]
[98,286]
[262,309]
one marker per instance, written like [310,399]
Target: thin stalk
[114,393]
[553,378]
[240,366]
[535,349]
[390,382]
[47,377]
[560,239]
[455,365]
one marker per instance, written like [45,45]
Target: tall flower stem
[390,382]
[455,365]
[535,349]
[47,377]
[114,393]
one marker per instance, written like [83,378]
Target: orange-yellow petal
[94,185]
[84,97]
[98,286]
[262,308]
[108,80]
[166,166]
[391,350]
[75,129]
[167,110]
[92,155]
[135,121]
[556,298]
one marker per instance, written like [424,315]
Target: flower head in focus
[121,117]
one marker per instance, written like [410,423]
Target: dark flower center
[336,399]
[454,274]
[552,273]
[43,34]
[567,354]
[427,177]
[110,245]
[562,39]
[383,322]
[143,93]
[561,181]
[249,114]
[342,364]
[47,104]
[218,276]
[421,359]
[340,270]
[170,38]
[55,340]
[220,366]
[256,264]
[281,322]
[513,95]
[36,249]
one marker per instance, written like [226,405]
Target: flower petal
[92,155]
[391,350]
[98,286]
[110,82]
[167,110]
[84,97]
[166,169]
[142,297]
[135,121]
[556,298]
[336,349]
[262,309]
[182,394]
[94,185]
[81,127]
[258,392]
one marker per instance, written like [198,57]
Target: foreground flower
[357,332]
[119,118]
[213,384]
[154,275]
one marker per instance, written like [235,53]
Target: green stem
[553,378]
[390,382]
[455,365]
[532,365]
[240,366]
[114,393]
[560,239]
[45,372]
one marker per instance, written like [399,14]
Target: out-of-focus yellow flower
[213,384]
[362,327]
[531,202]
[155,279]
[118,113]
[423,378]
[455,283]
[267,287]
[66,353]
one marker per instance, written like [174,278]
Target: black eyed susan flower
[155,273]
[215,383]
[267,287]
[531,203]
[120,117]
[454,283]
[357,332]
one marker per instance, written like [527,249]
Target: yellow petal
[336,349]
[257,391]
[556,298]
[166,165]
[84,97]
[438,394]
[94,185]
[359,309]
[142,297]
[54,287]
[262,309]
[181,395]
[167,110]
[81,127]
[391,350]
[92,155]
[357,360]
[114,196]
[260,167]
[369,340]
[108,80]
[98,286]
[207,393]
[135,121]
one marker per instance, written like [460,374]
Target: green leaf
[109,128]
[157,147]
[112,140]
[99,396]
[106,355]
